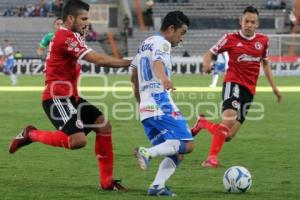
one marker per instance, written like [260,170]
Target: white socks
[168,148]
[214,81]
[166,168]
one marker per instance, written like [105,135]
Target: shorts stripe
[61,110]
[227,90]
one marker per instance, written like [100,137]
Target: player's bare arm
[207,58]
[135,85]
[159,71]
[269,76]
[105,60]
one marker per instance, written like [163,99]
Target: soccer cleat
[21,139]
[198,126]
[155,191]
[143,157]
[115,186]
[211,163]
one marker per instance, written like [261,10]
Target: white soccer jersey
[155,101]
[9,52]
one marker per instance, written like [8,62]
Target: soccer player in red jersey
[247,51]
[73,116]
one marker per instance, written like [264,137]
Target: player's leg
[8,70]
[171,138]
[214,81]
[233,131]
[246,101]
[231,106]
[167,136]
[94,119]
[166,169]
[69,134]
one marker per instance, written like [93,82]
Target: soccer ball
[237,179]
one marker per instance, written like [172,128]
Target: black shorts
[71,115]
[237,97]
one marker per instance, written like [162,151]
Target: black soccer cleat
[115,186]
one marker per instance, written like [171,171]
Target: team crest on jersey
[166,47]
[258,45]
[71,43]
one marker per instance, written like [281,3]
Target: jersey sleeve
[220,46]
[75,46]
[44,43]
[266,50]
[161,50]
[134,63]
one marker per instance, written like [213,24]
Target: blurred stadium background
[118,26]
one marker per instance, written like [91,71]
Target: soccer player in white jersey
[9,62]
[163,123]
[220,66]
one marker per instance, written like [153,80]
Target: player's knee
[77,142]
[180,157]
[189,147]
[104,128]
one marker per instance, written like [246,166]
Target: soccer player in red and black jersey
[73,116]
[247,50]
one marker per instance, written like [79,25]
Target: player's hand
[207,68]
[168,84]
[278,95]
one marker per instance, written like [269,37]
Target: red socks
[219,133]
[105,156]
[52,138]
[210,126]
[218,140]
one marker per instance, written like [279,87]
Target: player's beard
[76,28]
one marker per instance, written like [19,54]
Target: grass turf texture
[267,147]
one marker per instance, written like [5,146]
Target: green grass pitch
[269,148]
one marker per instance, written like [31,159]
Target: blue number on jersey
[146,72]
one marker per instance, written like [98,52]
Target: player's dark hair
[251,9]
[175,18]
[58,18]
[73,7]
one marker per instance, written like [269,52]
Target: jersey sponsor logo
[258,46]
[149,108]
[151,85]
[145,47]
[248,58]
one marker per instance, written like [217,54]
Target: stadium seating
[196,42]
[27,43]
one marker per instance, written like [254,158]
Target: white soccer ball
[237,179]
